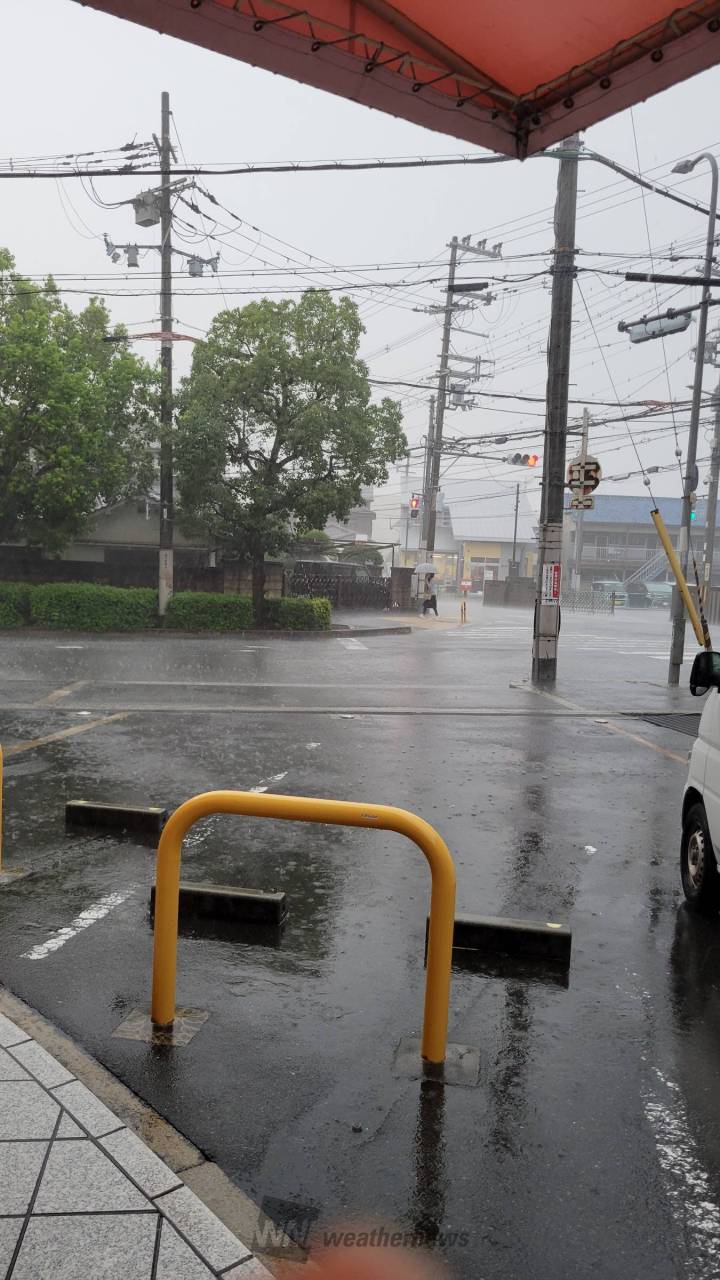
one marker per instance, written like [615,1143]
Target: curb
[235,1210]
[159,633]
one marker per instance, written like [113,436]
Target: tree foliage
[276,429]
[76,413]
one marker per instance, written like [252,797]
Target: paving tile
[79,1178]
[176,1260]
[69,1129]
[9,1232]
[20,1164]
[9,1033]
[207,1233]
[41,1064]
[140,1162]
[115,1247]
[10,1069]
[26,1110]
[253,1269]
[86,1108]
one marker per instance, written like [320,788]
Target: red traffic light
[524,459]
[533,459]
[414,502]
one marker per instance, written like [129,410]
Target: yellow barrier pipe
[2,767]
[662,533]
[344,813]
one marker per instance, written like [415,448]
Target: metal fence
[587,601]
[343,593]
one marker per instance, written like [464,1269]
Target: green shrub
[297,614]
[15,604]
[85,606]
[208,611]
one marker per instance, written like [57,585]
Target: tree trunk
[258,587]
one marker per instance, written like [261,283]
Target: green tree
[276,428]
[76,413]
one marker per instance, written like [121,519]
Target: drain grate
[687,722]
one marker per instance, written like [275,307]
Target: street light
[678,612]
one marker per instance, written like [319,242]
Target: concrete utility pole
[427,475]
[677,647]
[441,399]
[547,601]
[165,565]
[712,498]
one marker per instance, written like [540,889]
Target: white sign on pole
[551,583]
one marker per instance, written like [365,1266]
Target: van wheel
[698,867]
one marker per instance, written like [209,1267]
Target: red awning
[511,75]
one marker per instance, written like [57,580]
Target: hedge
[15,608]
[208,611]
[297,614]
[85,606]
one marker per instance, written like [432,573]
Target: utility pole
[441,399]
[165,560]
[579,521]
[547,600]
[677,646]
[712,499]
[427,475]
[513,562]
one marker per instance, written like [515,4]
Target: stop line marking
[353,644]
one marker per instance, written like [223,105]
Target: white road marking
[69,646]
[353,644]
[266,783]
[311,746]
[83,921]
[686,1181]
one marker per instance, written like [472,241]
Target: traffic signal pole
[441,399]
[547,601]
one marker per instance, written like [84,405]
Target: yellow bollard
[344,813]
[701,633]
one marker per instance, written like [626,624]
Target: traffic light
[414,507]
[524,459]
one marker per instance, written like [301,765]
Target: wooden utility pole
[441,400]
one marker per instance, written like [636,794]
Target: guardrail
[343,813]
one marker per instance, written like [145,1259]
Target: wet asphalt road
[591,1145]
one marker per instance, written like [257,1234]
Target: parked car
[660,594]
[701,800]
[609,585]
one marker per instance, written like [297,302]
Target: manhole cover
[681,721]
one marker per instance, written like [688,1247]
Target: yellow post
[2,766]
[701,634]
[344,813]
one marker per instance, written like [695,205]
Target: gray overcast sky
[75,80]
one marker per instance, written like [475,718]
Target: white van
[701,801]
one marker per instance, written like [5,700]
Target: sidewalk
[81,1196]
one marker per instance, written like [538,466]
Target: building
[359,525]
[617,539]
[485,528]
[447,551]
